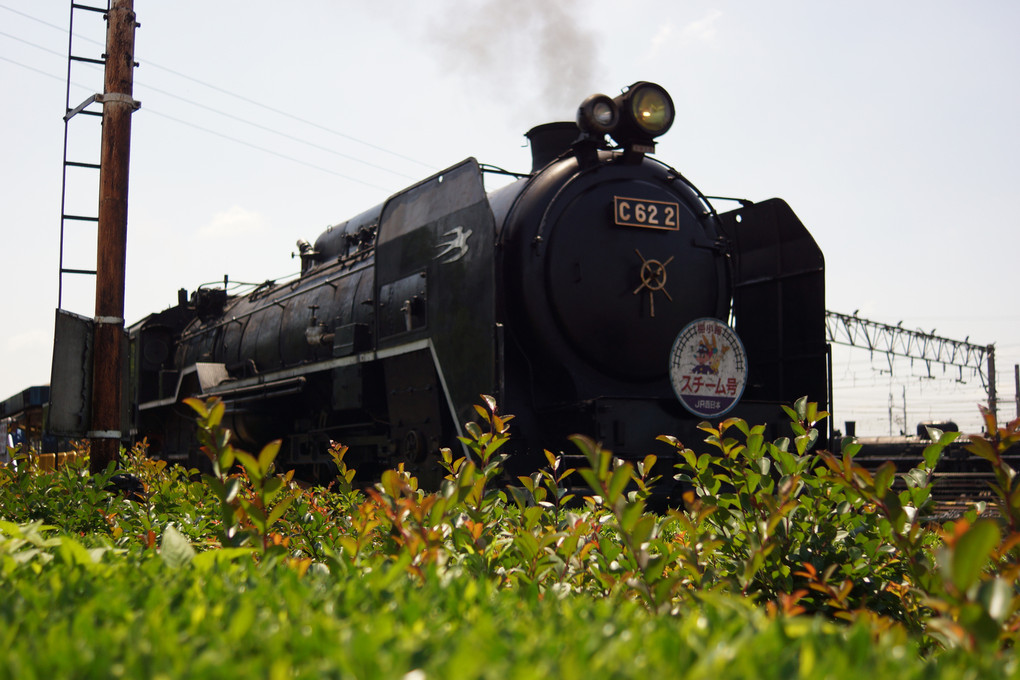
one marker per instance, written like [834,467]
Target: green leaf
[267,455]
[532,515]
[894,510]
[473,429]
[630,516]
[175,549]
[884,477]
[982,447]
[271,488]
[653,572]
[216,413]
[643,529]
[588,475]
[396,570]
[806,441]
[227,453]
[940,440]
[647,464]
[391,483]
[278,511]
[738,423]
[490,402]
[197,405]
[74,552]
[971,552]
[588,448]
[996,595]
[438,511]
[257,514]
[801,406]
[609,547]
[519,495]
[849,446]
[251,465]
[528,544]
[230,490]
[755,444]
[348,543]
[552,459]
[915,479]
[205,560]
[618,482]
[704,460]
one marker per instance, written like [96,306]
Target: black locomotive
[562,294]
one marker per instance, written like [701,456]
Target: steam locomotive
[601,294]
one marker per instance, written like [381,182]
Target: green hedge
[141,616]
[784,562]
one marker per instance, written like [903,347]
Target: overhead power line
[150,110]
[266,150]
[31,68]
[235,95]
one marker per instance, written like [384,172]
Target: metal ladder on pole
[71,223]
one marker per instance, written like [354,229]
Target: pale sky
[889,127]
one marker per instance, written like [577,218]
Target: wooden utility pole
[118,105]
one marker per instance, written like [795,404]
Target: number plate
[637,212]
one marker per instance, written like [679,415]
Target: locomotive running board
[279,378]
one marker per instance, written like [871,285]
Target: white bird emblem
[457,245]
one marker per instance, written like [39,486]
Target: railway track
[960,480]
[957,490]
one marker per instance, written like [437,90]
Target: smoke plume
[535,55]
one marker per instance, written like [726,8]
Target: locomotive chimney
[549,141]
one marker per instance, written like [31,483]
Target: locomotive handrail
[233,392]
[690,185]
[496,170]
[234,318]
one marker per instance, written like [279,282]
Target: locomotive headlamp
[598,114]
[646,111]
[651,108]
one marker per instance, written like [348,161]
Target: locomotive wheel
[412,449]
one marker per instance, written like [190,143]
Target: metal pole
[118,105]
[890,410]
[905,430]
[1016,387]
[993,401]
